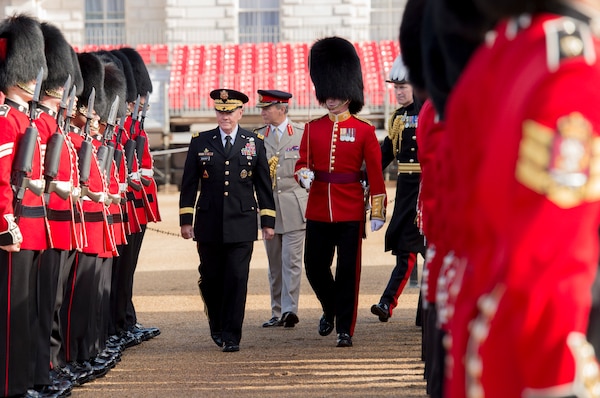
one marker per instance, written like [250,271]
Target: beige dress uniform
[285,250]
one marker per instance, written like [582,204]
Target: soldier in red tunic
[332,153]
[529,205]
[59,172]
[23,233]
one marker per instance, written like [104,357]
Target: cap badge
[224,95]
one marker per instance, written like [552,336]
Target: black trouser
[103,313]
[405,263]
[339,295]
[56,340]
[125,317]
[18,296]
[78,307]
[48,274]
[224,269]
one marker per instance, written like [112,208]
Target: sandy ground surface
[272,362]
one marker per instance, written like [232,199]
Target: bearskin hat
[114,84]
[129,76]
[92,72]
[140,72]
[58,59]
[77,78]
[410,41]
[335,71]
[21,51]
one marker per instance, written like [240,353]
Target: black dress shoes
[344,340]
[273,322]
[217,339]
[325,326]
[382,311]
[230,346]
[289,319]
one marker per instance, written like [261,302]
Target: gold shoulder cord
[395,129]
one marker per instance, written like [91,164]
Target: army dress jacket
[290,197]
[225,211]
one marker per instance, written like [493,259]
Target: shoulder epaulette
[364,120]
[567,38]
[196,134]
[259,128]
[4,109]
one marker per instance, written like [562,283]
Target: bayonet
[69,110]
[90,112]
[60,117]
[112,115]
[36,94]
[134,116]
[144,110]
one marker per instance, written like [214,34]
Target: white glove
[376,225]
[305,178]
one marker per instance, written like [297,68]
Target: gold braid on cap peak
[378,207]
[395,129]
[273,161]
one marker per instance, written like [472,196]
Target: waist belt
[59,215]
[33,211]
[150,198]
[93,216]
[137,203]
[409,167]
[109,219]
[76,215]
[337,178]
[117,218]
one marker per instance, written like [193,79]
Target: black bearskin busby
[92,72]
[58,59]
[21,51]
[129,77]
[410,42]
[335,71]
[114,84]
[140,72]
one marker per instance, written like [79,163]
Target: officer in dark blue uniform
[402,237]
[228,166]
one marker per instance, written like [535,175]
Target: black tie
[227,145]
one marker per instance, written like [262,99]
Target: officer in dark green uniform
[228,166]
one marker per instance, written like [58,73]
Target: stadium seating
[198,69]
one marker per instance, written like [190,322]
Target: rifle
[22,163]
[54,149]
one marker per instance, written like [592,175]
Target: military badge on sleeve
[562,164]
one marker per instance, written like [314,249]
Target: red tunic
[149,185]
[429,133]
[97,232]
[138,202]
[13,123]
[340,148]
[530,209]
[65,235]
